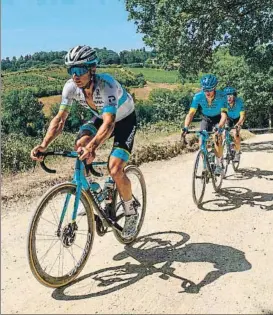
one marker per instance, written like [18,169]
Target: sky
[29,26]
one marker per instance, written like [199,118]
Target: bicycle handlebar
[203,132]
[70,154]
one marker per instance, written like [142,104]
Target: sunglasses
[78,71]
[209,90]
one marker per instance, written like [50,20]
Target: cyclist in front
[213,104]
[114,115]
[236,117]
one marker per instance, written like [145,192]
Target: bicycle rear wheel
[199,178]
[139,196]
[56,258]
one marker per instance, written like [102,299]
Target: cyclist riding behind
[114,115]
[213,104]
[236,117]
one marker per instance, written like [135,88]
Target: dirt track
[216,259]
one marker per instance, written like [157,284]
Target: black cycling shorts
[124,134]
[208,123]
[232,122]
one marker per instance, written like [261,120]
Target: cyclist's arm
[223,118]
[242,119]
[192,111]
[189,117]
[242,114]
[55,128]
[224,111]
[57,123]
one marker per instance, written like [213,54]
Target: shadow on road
[148,251]
[258,147]
[249,173]
[232,198]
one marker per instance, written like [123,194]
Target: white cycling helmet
[81,55]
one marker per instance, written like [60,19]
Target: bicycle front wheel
[226,156]
[199,178]
[139,198]
[57,254]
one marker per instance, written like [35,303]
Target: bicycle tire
[131,169]
[226,157]
[196,200]
[41,275]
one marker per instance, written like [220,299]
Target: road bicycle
[204,168]
[60,240]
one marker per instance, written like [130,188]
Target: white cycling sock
[218,160]
[129,208]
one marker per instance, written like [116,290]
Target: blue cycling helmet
[81,55]
[209,82]
[230,90]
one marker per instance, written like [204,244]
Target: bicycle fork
[80,182]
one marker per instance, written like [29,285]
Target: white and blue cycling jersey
[108,96]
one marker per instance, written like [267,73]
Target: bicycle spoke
[78,246]
[43,257]
[82,233]
[71,254]
[49,221]
[60,259]
[45,239]
[56,219]
[56,259]
[47,235]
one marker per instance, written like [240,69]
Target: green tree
[188,31]
[22,113]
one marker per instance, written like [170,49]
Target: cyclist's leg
[237,142]
[237,138]
[123,143]
[218,140]
[124,134]
[218,147]
[228,124]
[87,132]
[85,135]
[206,124]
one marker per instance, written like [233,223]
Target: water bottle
[109,190]
[95,187]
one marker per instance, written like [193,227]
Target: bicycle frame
[81,183]
[228,136]
[204,134]
[204,138]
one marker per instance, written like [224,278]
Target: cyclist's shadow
[152,249]
[231,198]
[249,173]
